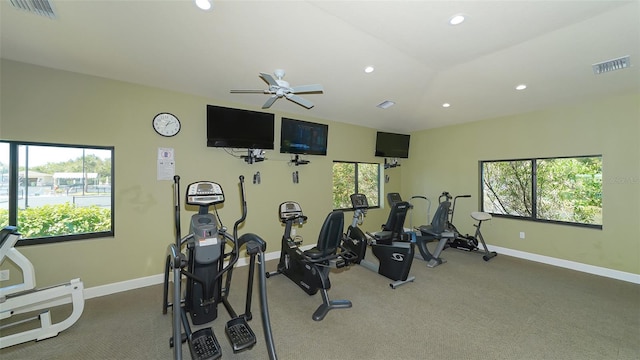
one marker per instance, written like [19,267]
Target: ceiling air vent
[611,65]
[386,104]
[38,7]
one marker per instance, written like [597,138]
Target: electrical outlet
[4,275]
[521,234]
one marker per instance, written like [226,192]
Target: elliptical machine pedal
[204,345]
[240,334]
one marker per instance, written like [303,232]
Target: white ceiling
[420,60]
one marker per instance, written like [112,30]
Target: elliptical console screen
[204,193]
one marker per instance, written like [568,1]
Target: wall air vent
[611,65]
[38,7]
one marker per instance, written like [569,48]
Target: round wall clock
[166,124]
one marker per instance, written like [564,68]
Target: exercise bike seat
[383,237]
[481,216]
[314,253]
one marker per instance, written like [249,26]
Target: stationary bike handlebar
[294,217]
[448,197]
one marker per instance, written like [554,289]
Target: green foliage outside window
[350,177]
[56,192]
[555,189]
[59,220]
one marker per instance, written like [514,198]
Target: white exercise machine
[24,297]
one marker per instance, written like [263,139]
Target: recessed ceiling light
[446,105]
[368,69]
[521,87]
[203,4]
[456,19]
[386,104]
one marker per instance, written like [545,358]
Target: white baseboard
[590,269]
[127,285]
[567,264]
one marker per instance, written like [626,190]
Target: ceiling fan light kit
[280,88]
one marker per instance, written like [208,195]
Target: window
[564,190]
[54,192]
[350,178]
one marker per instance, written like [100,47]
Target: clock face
[166,124]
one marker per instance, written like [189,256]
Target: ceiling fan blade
[269,79]
[307,88]
[270,102]
[299,100]
[249,91]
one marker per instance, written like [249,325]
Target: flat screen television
[303,137]
[238,128]
[392,145]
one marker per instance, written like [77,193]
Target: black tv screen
[303,137]
[237,128]
[392,145]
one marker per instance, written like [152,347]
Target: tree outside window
[56,192]
[562,190]
[352,177]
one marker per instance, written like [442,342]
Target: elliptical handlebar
[244,208]
[176,201]
[236,244]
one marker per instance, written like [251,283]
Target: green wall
[45,105]
[446,159]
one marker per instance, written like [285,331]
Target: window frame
[357,163]
[13,192]
[534,191]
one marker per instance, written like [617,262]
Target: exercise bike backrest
[395,222]
[452,209]
[440,221]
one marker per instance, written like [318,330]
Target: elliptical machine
[203,267]
[394,257]
[309,269]
[467,242]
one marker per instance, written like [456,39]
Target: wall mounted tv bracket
[253,156]
[391,163]
[298,161]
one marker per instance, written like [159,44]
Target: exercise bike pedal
[204,345]
[240,334]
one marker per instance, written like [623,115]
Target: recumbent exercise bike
[309,269]
[391,248]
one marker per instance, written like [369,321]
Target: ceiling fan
[279,88]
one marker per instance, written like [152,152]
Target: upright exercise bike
[309,269]
[394,257]
[203,267]
[468,242]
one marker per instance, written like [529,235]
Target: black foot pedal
[204,345]
[240,334]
